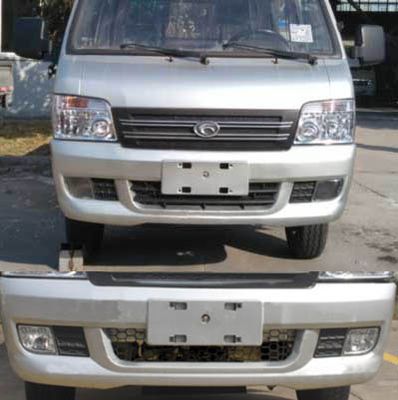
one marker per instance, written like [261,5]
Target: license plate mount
[205,323]
[205,178]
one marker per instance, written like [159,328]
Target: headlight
[326,122]
[82,118]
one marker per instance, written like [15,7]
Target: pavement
[383,386]
[365,238]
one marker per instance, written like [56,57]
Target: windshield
[209,26]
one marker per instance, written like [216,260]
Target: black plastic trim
[205,280]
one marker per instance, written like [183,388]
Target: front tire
[35,391]
[87,235]
[339,393]
[307,242]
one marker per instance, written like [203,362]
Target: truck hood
[153,82]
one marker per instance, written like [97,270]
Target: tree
[56,13]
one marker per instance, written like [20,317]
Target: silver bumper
[106,160]
[80,303]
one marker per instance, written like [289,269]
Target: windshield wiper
[273,53]
[203,58]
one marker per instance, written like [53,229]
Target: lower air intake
[262,195]
[130,345]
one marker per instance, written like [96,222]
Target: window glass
[202,25]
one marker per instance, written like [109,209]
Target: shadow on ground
[182,245]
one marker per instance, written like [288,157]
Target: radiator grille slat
[174,129]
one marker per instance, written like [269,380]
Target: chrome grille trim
[165,123]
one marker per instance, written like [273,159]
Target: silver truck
[317,333]
[205,113]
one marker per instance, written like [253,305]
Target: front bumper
[111,161]
[68,302]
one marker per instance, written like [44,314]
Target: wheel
[35,391]
[339,393]
[307,242]
[85,234]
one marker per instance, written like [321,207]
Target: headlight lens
[326,122]
[82,118]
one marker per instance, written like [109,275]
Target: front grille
[262,195]
[175,129]
[130,345]
[303,192]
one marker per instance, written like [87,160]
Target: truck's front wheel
[85,234]
[307,242]
[35,391]
[339,393]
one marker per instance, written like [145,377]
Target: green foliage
[56,12]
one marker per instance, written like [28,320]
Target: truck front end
[100,330]
[206,124]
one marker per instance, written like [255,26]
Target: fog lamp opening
[361,341]
[81,188]
[328,190]
[37,339]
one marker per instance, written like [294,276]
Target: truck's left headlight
[326,122]
[82,118]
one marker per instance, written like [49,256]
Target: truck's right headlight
[326,122]
[82,118]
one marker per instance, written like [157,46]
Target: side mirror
[31,38]
[370,45]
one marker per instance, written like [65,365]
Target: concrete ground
[383,386]
[365,238]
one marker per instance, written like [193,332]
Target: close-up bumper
[55,301]
[122,166]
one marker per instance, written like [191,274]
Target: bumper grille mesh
[330,342]
[104,189]
[130,345]
[303,192]
[262,195]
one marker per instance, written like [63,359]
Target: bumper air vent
[130,345]
[262,195]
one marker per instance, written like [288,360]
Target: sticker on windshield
[301,33]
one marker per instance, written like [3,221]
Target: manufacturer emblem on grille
[207,129]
